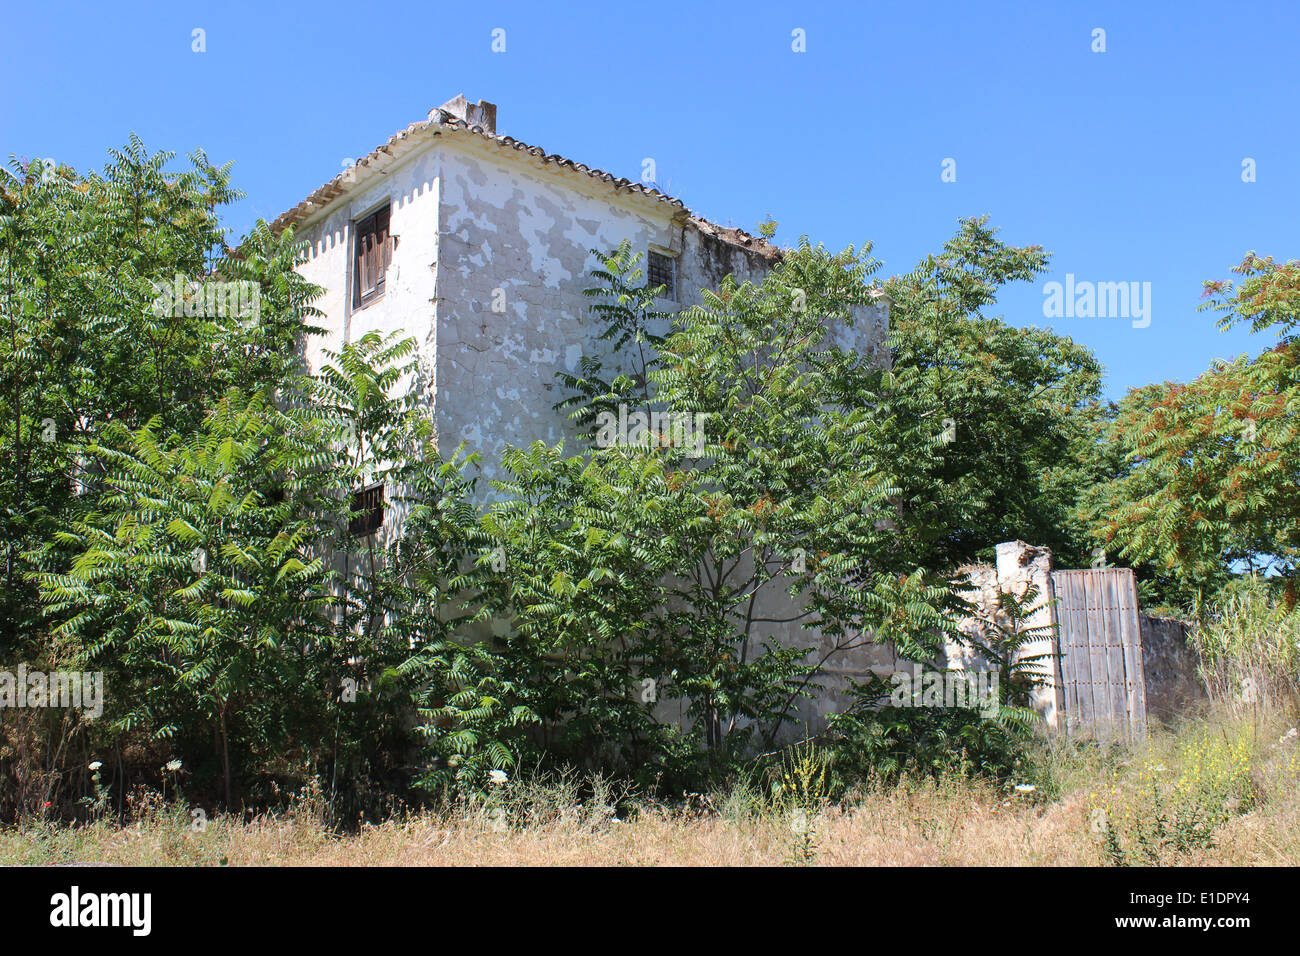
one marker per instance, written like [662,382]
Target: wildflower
[173,765]
[1025,788]
[497,776]
[96,764]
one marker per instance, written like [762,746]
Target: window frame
[382,257]
[368,510]
[670,292]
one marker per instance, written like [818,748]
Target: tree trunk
[225,756]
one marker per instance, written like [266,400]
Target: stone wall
[1169,662]
[1019,566]
[514,255]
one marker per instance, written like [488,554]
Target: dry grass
[948,822]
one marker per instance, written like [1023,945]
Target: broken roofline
[445,120]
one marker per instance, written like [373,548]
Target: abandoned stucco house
[479,246]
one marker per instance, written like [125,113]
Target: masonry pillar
[1018,566]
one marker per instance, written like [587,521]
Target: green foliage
[1268,297]
[813,457]
[581,582]
[79,346]
[407,593]
[193,579]
[1003,638]
[1022,406]
[1249,644]
[884,745]
[114,387]
[1211,466]
[876,742]
[796,491]
[181,494]
[784,497]
[1166,812]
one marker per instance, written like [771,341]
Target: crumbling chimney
[482,113]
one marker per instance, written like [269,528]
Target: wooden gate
[1100,640]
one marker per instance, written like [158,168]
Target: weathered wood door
[1100,639]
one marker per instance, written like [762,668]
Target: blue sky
[1126,164]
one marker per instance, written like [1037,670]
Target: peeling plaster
[471,223]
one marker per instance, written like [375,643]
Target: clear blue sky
[1125,164]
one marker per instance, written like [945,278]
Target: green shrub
[1250,645]
[1170,810]
[886,744]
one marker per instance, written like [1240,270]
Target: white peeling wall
[410,188]
[516,245]
[522,238]
[519,240]
[476,230]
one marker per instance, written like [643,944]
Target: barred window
[662,270]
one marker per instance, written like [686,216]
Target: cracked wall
[492,254]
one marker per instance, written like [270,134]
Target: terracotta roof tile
[441,121]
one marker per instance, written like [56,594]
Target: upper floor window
[662,270]
[372,253]
[367,510]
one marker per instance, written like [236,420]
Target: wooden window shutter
[367,510]
[373,255]
[361,259]
[379,250]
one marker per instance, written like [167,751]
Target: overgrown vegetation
[1210,467]
[1162,813]
[1249,645]
[1181,799]
[183,510]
